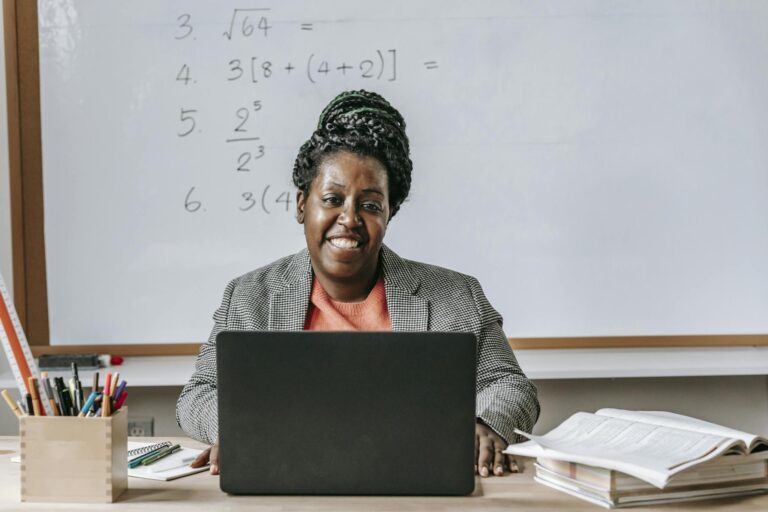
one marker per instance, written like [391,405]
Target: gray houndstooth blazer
[420,297]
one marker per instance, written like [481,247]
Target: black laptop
[346,412]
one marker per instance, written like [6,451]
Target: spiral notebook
[145,448]
[175,465]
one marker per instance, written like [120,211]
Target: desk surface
[201,492]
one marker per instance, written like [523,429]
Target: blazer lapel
[288,307]
[407,311]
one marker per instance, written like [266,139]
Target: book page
[679,421]
[653,447]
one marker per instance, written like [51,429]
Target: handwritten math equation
[266,200]
[260,70]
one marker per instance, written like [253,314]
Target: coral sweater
[326,314]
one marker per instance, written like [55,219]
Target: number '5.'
[186,115]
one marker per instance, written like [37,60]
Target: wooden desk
[514,493]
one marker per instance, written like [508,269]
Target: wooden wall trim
[715,340]
[30,289]
[145,349]
[14,157]
[181,349]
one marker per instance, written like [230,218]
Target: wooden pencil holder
[70,459]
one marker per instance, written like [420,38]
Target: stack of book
[618,458]
[611,488]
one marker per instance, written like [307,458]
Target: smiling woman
[345,214]
[352,176]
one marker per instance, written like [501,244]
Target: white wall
[741,402]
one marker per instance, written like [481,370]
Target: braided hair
[363,123]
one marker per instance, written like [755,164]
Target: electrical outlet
[141,427]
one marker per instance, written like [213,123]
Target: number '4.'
[285,197]
[183,75]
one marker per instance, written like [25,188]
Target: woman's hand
[210,455]
[488,453]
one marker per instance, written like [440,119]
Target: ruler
[16,347]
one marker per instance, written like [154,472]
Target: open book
[649,445]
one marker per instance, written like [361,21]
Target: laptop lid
[346,412]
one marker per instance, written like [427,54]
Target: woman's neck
[349,290]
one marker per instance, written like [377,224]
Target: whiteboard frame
[27,220]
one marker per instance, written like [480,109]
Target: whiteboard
[600,166]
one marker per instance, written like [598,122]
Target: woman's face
[345,216]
